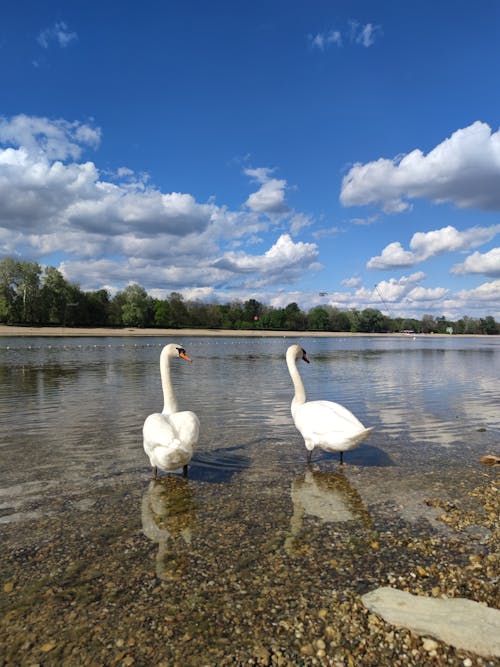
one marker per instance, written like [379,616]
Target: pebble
[429,644]
[49,646]
[269,609]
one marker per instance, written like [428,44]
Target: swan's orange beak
[183,355]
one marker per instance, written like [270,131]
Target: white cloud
[487,263]
[394,290]
[325,232]
[352,282]
[464,170]
[487,292]
[50,139]
[427,294]
[324,39]
[270,197]
[298,221]
[356,33]
[365,35]
[393,255]
[50,203]
[58,33]
[284,262]
[424,245]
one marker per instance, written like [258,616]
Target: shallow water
[71,453]
[72,409]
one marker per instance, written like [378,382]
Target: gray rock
[456,621]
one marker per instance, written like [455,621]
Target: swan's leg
[185,471]
[341,458]
[155,472]
[309,454]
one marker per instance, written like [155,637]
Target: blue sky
[275,150]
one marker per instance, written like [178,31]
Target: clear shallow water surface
[72,411]
[255,558]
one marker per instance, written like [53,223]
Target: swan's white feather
[324,424]
[328,425]
[169,437]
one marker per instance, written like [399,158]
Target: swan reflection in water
[169,516]
[328,496]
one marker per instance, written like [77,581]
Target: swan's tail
[355,440]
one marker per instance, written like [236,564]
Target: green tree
[319,319]
[371,320]
[214,316]
[252,312]
[339,319]
[294,317]
[488,326]
[178,311]
[19,291]
[55,295]
[428,324]
[136,306]
[274,318]
[162,316]
[97,307]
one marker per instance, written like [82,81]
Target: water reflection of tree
[328,496]
[169,518]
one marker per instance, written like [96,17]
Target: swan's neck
[300,393]
[169,402]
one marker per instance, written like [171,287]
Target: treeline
[30,296]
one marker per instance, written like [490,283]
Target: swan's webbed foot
[185,471]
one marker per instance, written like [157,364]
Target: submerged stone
[459,622]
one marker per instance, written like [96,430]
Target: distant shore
[180,333]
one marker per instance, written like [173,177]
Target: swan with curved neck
[169,437]
[322,424]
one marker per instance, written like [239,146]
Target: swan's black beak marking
[304,356]
[182,354]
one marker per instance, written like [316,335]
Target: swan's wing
[323,416]
[158,431]
[186,425]
[325,422]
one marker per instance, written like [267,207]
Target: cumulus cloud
[406,296]
[424,245]
[464,169]
[49,139]
[394,289]
[112,227]
[393,255]
[58,33]
[486,292]
[487,264]
[475,302]
[283,262]
[352,282]
[421,294]
[270,197]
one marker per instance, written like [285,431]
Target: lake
[249,557]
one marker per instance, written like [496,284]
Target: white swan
[169,436]
[323,424]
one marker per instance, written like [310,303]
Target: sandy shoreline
[179,333]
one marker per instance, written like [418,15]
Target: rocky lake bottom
[190,572]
